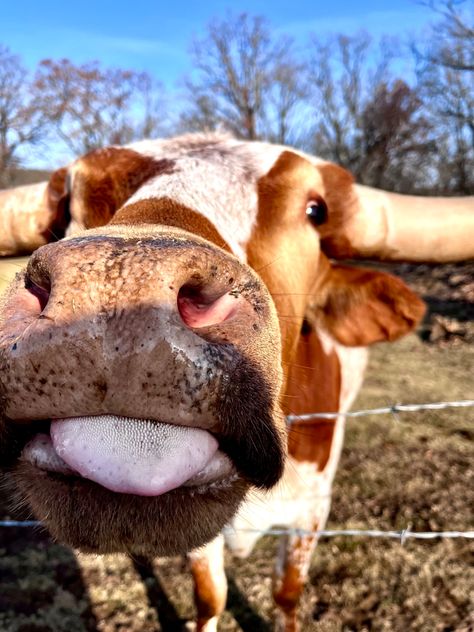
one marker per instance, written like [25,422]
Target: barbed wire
[386,410]
[20,523]
[401,535]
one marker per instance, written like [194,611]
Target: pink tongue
[132,456]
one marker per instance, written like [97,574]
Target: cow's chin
[94,519]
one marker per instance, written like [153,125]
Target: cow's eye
[317,212]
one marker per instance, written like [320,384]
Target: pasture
[414,470]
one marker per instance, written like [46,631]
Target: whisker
[268,264]
[291,294]
[300,366]
[49,230]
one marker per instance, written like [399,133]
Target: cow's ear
[359,306]
[57,201]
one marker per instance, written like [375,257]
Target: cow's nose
[103,325]
[199,304]
[138,292]
[203,306]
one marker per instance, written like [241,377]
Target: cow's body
[201,299]
[302,498]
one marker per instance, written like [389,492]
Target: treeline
[398,116]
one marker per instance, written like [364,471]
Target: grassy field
[8,268]
[415,470]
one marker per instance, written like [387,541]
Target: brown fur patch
[284,247]
[285,190]
[169,213]
[56,198]
[341,200]
[289,586]
[285,236]
[314,384]
[106,178]
[289,592]
[210,599]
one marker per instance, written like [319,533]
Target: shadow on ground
[41,585]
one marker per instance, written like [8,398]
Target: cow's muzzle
[138,370]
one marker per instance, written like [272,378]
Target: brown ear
[363,306]
[57,200]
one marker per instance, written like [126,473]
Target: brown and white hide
[150,357]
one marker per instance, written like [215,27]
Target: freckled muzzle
[162,327]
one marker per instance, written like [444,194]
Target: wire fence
[387,410]
[402,535]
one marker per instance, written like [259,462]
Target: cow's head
[141,359]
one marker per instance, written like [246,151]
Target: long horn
[399,227]
[30,216]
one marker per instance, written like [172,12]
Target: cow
[183,296]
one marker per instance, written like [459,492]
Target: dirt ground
[415,470]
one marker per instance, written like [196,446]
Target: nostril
[200,309]
[40,291]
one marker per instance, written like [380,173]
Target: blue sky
[155,35]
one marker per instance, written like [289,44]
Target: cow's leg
[210,583]
[291,572]
[294,559]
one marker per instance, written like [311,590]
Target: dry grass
[8,268]
[414,471]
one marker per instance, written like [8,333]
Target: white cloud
[385,22]
[129,45]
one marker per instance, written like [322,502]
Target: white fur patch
[216,176]
[302,499]
[215,191]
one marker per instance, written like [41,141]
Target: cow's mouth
[130,456]
[109,484]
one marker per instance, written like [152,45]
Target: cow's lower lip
[83,514]
[137,457]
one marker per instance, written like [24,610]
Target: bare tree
[445,70]
[365,118]
[90,107]
[339,70]
[453,45]
[22,123]
[397,139]
[245,81]
[151,120]
[286,102]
